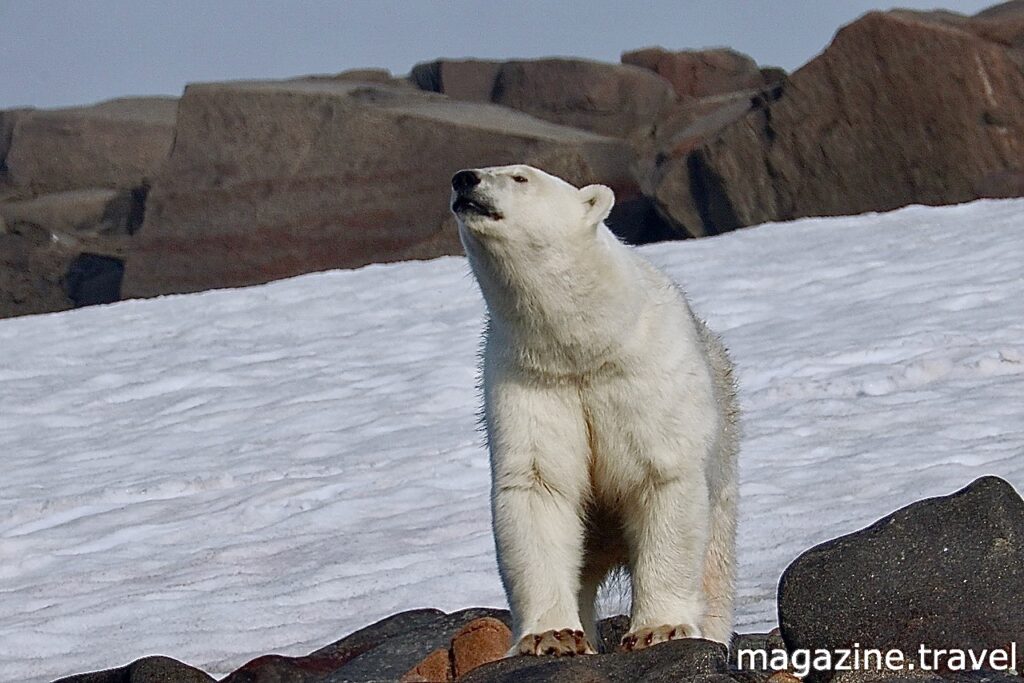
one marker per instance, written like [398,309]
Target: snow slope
[220,475]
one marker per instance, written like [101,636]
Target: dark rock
[368,637]
[690,659]
[637,221]
[402,651]
[384,651]
[980,676]
[947,572]
[273,179]
[115,144]
[901,108]
[610,631]
[748,641]
[700,73]
[146,670]
[94,279]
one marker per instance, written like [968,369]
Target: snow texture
[220,475]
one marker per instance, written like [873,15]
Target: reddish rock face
[273,179]
[479,642]
[700,73]
[119,143]
[899,109]
[609,99]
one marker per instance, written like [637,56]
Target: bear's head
[531,237]
[520,204]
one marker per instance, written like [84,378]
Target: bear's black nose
[465,180]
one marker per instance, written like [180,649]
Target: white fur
[610,416]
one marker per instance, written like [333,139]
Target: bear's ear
[597,202]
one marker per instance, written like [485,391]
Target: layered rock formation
[271,179]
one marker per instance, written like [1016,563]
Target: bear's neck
[568,310]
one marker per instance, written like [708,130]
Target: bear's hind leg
[720,567]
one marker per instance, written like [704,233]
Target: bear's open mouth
[467,204]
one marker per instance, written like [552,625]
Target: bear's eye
[520,179]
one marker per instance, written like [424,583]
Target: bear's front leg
[539,539]
[668,534]
[540,455]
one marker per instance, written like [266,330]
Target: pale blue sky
[63,52]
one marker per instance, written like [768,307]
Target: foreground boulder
[115,144]
[945,572]
[146,670]
[609,99]
[429,646]
[273,179]
[901,108]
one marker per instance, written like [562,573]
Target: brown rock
[479,642]
[899,109]
[119,143]
[273,179]
[783,677]
[700,73]
[609,99]
[435,668]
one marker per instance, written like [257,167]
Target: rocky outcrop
[945,572]
[609,99]
[901,108]
[700,73]
[273,179]
[115,144]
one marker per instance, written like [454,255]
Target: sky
[68,52]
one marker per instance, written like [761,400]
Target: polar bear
[611,420]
